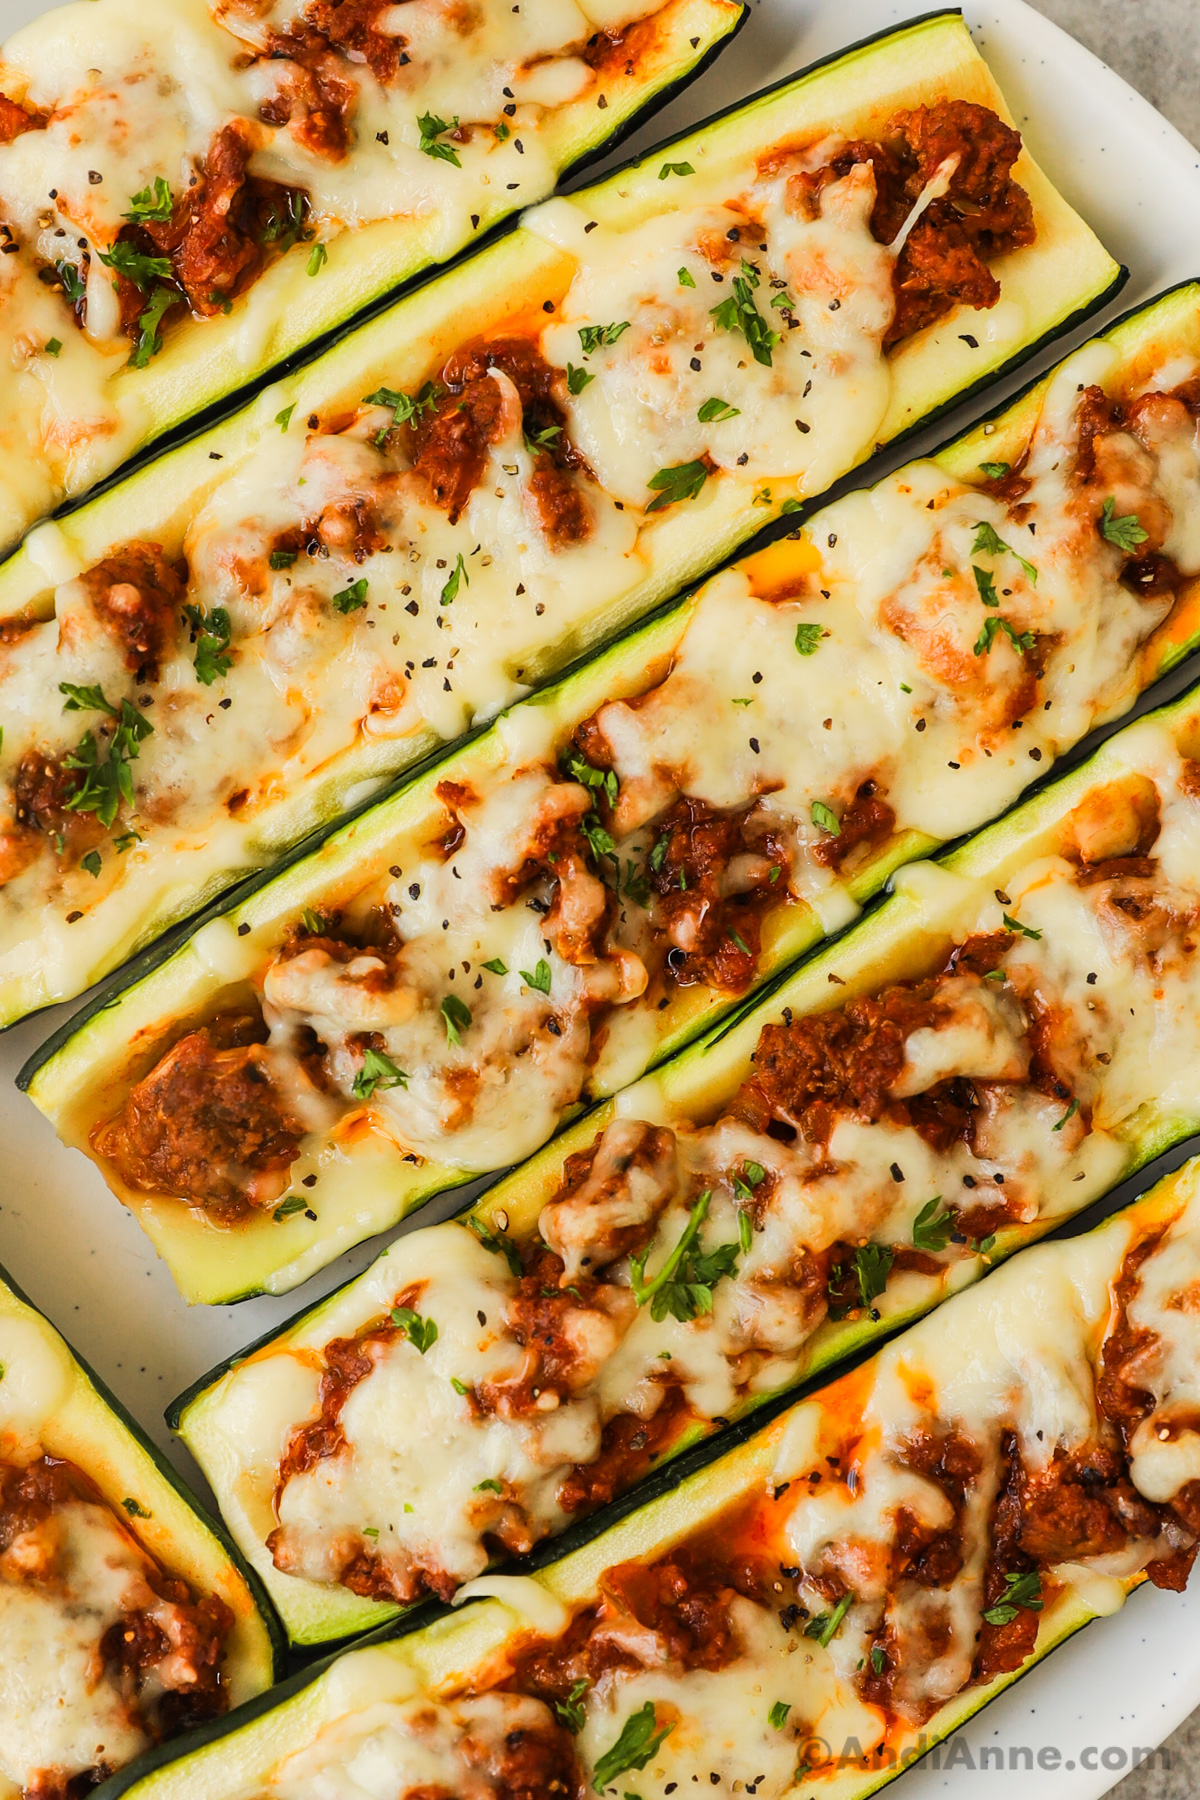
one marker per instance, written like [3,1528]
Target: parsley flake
[377,1071]
[1024,1590]
[456,1017]
[432,128]
[1126,532]
[421,1333]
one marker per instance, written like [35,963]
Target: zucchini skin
[272,833]
[669,1506]
[124,1423]
[512,1204]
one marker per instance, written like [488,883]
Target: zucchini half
[205,361]
[908,937]
[477,1648]
[49,1397]
[53,951]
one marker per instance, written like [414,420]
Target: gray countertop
[1155,45]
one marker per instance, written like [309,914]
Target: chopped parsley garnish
[1069,1114]
[456,1016]
[152,202]
[985,581]
[1126,532]
[600,841]
[496,966]
[684,1285]
[637,887]
[872,1266]
[825,819]
[284,224]
[432,128]
[686,278]
[53,346]
[681,482]
[91,862]
[683,168]
[315,923]
[658,854]
[377,1071]
[778,1714]
[135,1509]
[639,1739]
[1021,640]
[282,559]
[372,1532]
[457,577]
[489,1486]
[714,410]
[783,301]
[1024,1590]
[569,1710]
[598,337]
[990,544]
[931,1227]
[104,783]
[808,637]
[74,286]
[421,1333]
[589,776]
[995,471]
[351,598]
[82,697]
[752,1175]
[1011,924]
[824,1626]
[294,1203]
[460,1387]
[738,312]
[501,132]
[407,409]
[283,420]
[539,980]
[137,265]
[149,340]
[577,379]
[318,256]
[212,632]
[541,440]
[878,1658]
[496,1242]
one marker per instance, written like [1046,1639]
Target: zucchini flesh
[51,1406]
[329,236]
[889,1226]
[388,856]
[387,688]
[868,1695]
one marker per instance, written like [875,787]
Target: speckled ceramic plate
[1077,1722]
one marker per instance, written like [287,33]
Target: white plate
[1127,1681]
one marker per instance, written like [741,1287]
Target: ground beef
[314,95]
[204,1121]
[868,821]
[351,26]
[629,1448]
[984,213]
[449,444]
[531,1765]
[714,936]
[136,593]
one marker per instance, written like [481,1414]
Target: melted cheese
[60,1708]
[125,107]
[394,1748]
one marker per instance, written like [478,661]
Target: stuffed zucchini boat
[191,196]
[813,1610]
[1011,1034]
[519,461]
[584,887]
[125,1616]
